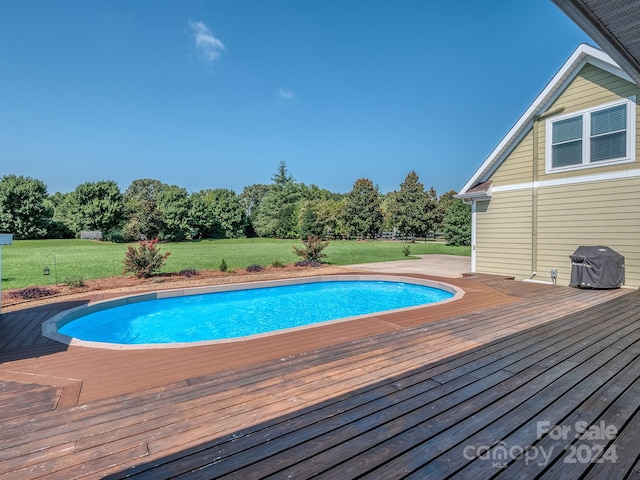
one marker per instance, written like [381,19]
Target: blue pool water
[240,313]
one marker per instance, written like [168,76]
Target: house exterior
[566,175]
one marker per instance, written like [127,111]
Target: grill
[596,267]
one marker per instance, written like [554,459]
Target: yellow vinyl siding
[592,212]
[518,166]
[595,213]
[503,240]
[590,88]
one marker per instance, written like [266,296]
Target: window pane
[609,120]
[609,146]
[567,130]
[567,154]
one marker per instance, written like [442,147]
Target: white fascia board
[477,196]
[582,55]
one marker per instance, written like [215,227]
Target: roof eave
[593,26]
[473,197]
[582,55]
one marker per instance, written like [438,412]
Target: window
[591,137]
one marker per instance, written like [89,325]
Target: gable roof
[614,25]
[584,54]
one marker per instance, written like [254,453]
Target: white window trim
[586,144]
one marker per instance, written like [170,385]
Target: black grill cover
[596,267]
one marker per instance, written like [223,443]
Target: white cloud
[288,94]
[209,46]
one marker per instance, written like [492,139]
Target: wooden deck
[463,390]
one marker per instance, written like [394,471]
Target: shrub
[277,264]
[145,260]
[406,250]
[307,263]
[254,268]
[188,272]
[74,282]
[223,266]
[57,229]
[313,249]
[116,235]
[30,293]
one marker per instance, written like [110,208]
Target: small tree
[313,249]
[457,223]
[309,224]
[145,260]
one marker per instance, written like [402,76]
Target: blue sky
[215,94]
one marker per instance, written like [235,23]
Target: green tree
[329,215]
[309,224]
[444,202]
[250,199]
[431,213]
[201,220]
[457,223]
[24,210]
[217,213]
[228,211]
[409,207]
[144,219]
[362,213]
[59,224]
[95,206]
[387,201]
[276,214]
[174,205]
[144,189]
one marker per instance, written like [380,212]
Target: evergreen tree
[362,213]
[309,224]
[276,214]
[409,207]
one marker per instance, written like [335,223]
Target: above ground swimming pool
[188,316]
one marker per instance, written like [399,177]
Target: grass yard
[24,261]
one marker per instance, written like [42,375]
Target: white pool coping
[50,327]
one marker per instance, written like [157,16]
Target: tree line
[284,208]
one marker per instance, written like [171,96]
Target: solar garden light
[5,239]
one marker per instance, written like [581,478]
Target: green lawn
[24,261]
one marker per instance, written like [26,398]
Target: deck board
[394,396]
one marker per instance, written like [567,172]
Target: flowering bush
[313,249]
[145,260]
[255,268]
